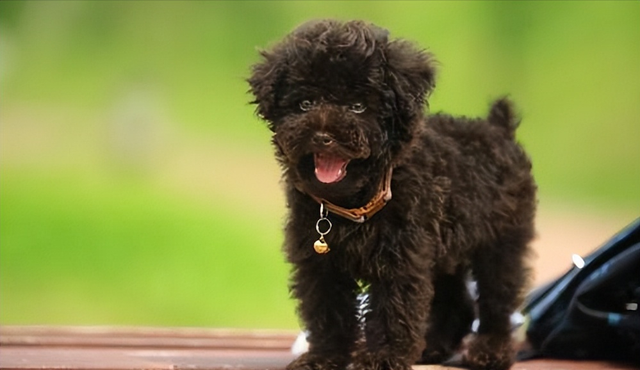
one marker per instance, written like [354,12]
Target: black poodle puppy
[382,195]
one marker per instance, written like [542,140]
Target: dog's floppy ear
[410,74]
[264,83]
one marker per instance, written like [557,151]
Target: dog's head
[342,100]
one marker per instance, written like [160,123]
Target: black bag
[591,312]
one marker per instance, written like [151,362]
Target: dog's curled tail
[503,114]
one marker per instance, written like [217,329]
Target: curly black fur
[463,200]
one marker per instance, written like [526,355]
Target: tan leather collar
[364,213]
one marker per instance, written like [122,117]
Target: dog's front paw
[370,361]
[308,361]
[486,352]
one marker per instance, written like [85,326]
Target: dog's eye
[357,108]
[306,105]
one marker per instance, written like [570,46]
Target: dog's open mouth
[330,168]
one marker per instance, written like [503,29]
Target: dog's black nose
[321,138]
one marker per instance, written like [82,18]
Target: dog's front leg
[400,296]
[327,307]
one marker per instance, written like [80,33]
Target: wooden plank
[146,337]
[26,358]
[98,348]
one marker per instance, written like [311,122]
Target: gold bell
[320,246]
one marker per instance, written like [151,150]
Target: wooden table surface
[177,348]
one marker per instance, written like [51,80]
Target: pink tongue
[329,168]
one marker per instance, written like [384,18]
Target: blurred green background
[138,188]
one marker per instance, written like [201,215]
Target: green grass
[80,249]
[82,244]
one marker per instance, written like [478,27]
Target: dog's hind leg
[501,274]
[450,318]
